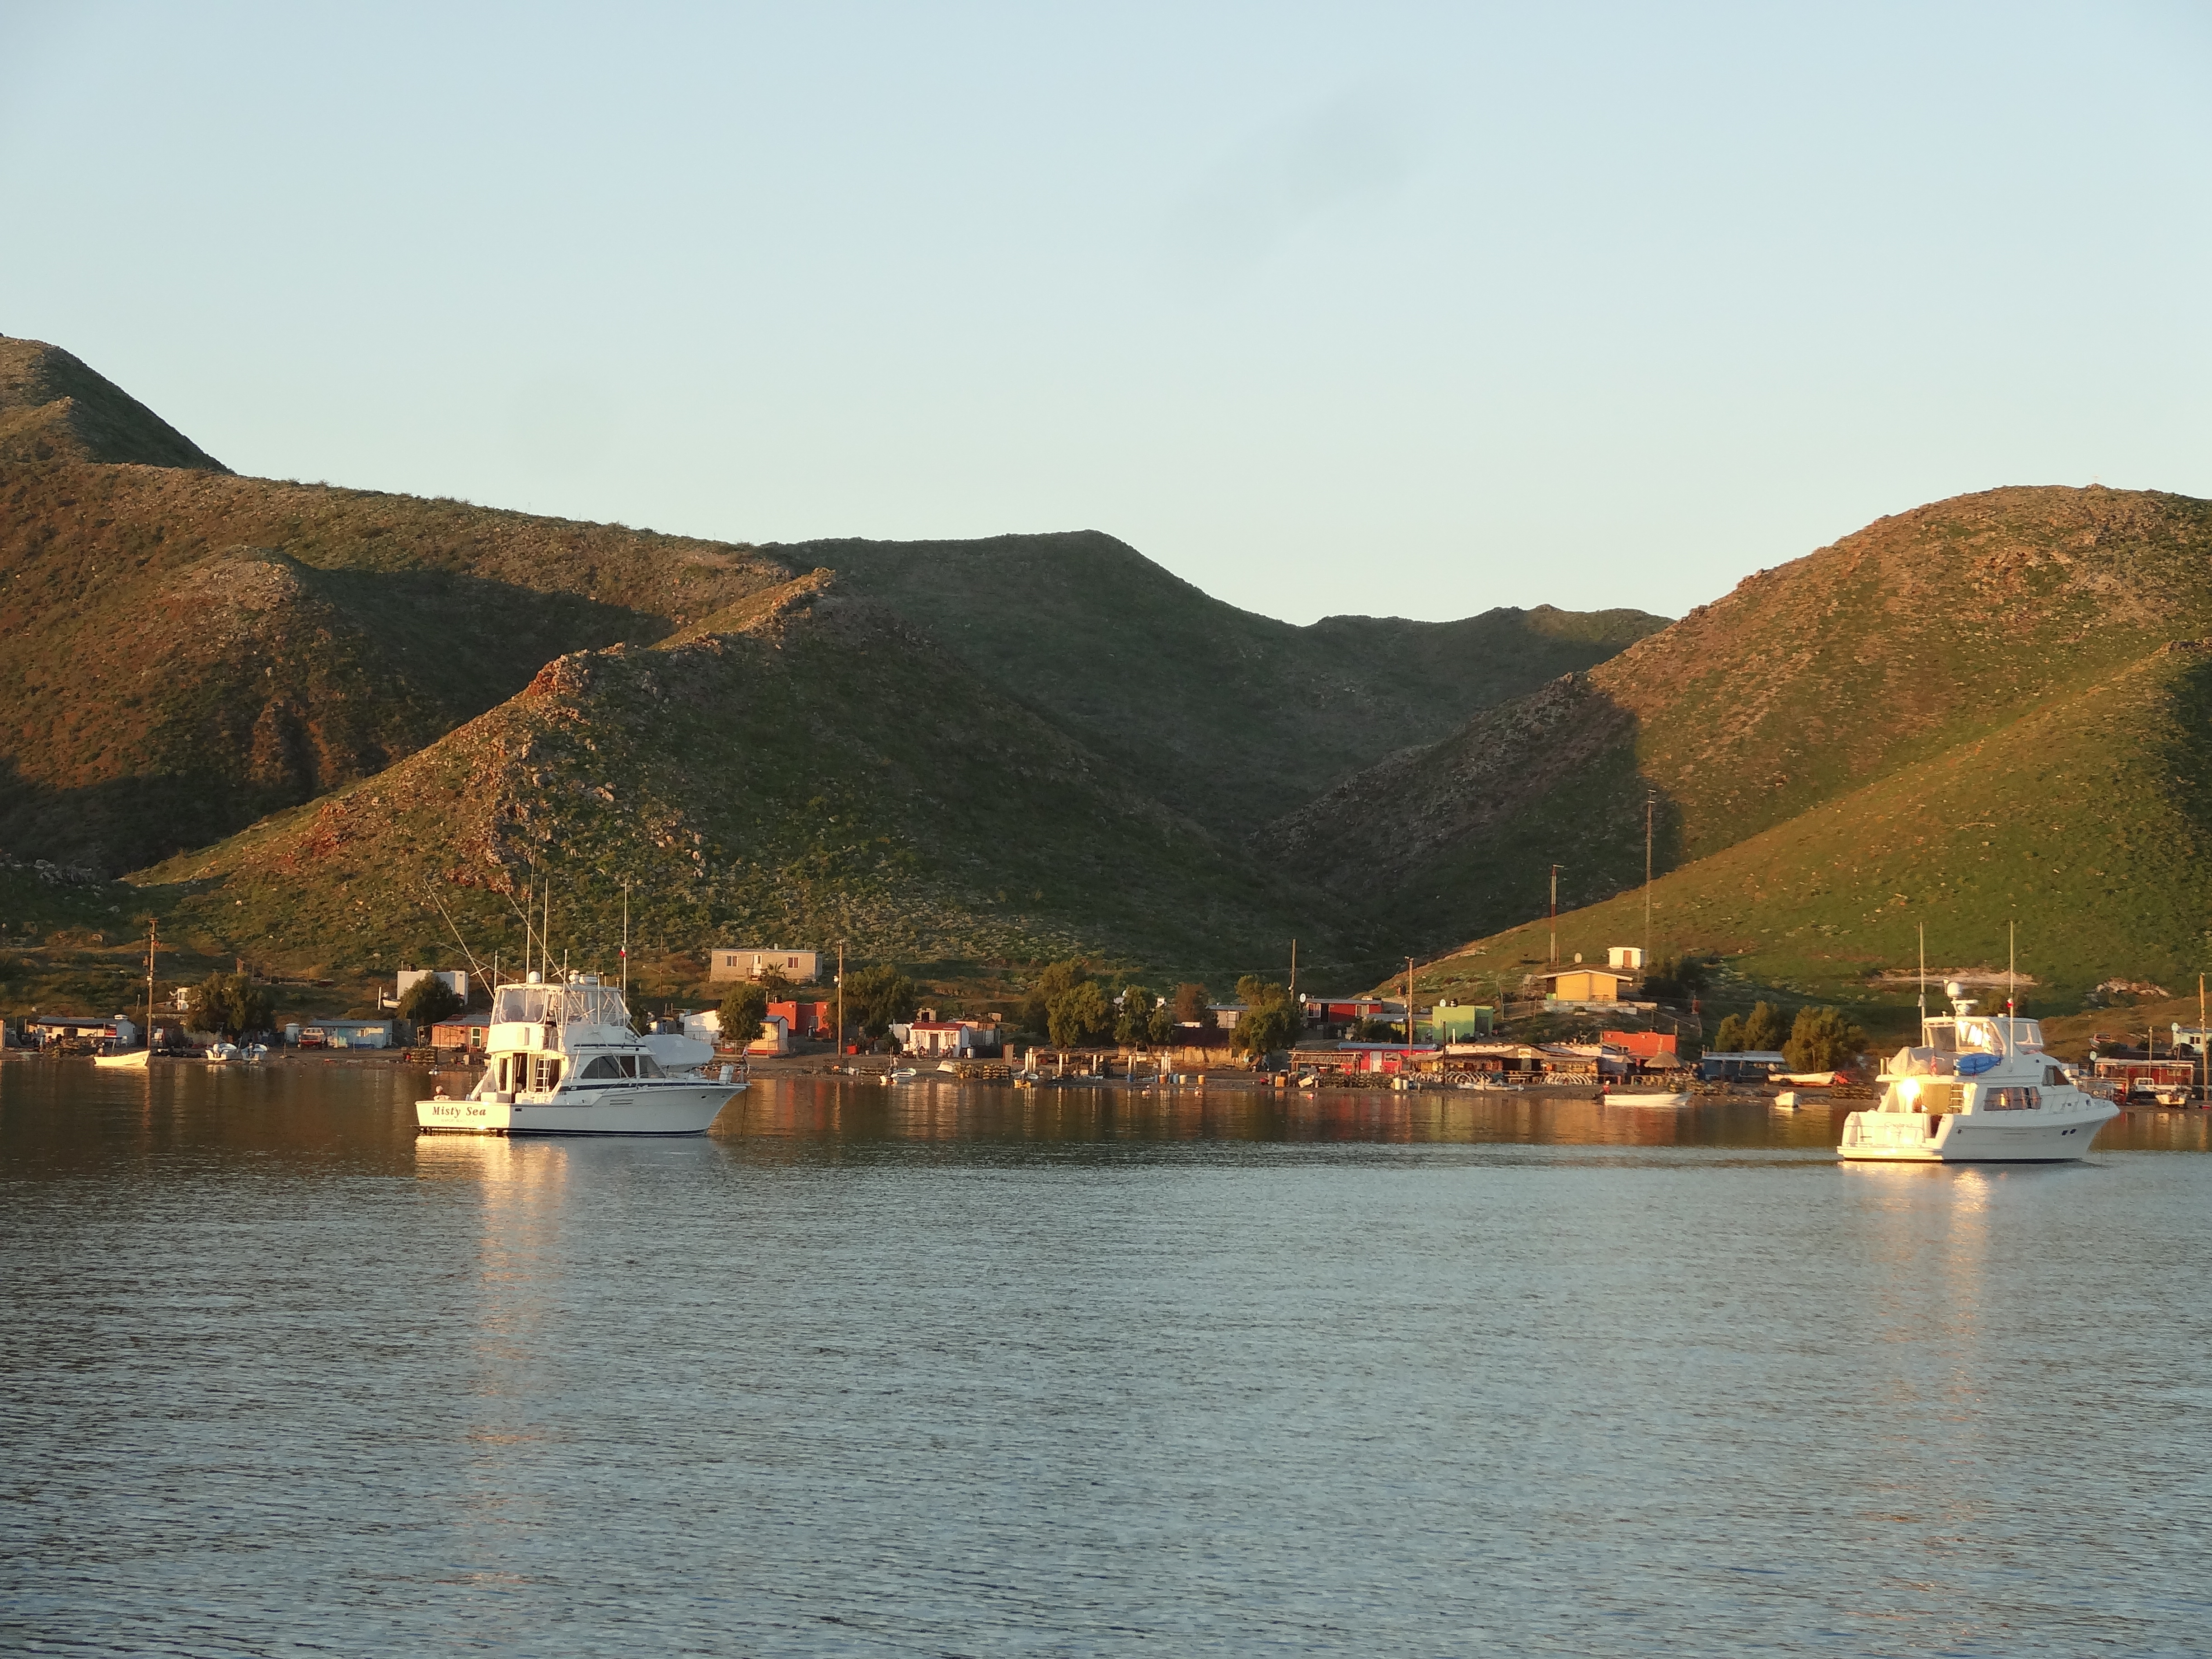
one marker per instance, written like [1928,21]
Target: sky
[1395,309]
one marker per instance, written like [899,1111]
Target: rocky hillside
[183,651]
[1232,718]
[1922,632]
[54,408]
[2086,822]
[804,767]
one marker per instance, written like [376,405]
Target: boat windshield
[566,1005]
[1984,1033]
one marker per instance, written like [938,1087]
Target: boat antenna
[522,912]
[1923,982]
[625,945]
[2011,988]
[475,967]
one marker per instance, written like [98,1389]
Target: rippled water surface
[926,1370]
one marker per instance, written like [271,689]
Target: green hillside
[2087,822]
[1918,632]
[1232,718]
[52,407]
[803,768]
[182,651]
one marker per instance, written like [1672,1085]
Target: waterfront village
[1572,1027]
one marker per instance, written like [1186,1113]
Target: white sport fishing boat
[1659,1097]
[562,1060]
[1978,1090]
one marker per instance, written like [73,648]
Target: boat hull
[1973,1138]
[1647,1098]
[662,1109]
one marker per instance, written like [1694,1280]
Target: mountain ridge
[54,406]
[1806,681]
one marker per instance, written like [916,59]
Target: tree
[1678,978]
[1191,1005]
[230,1005]
[1160,1027]
[1270,1019]
[1822,1040]
[743,1009]
[1053,983]
[1134,1024]
[882,996]
[1729,1039]
[429,1000]
[1081,1017]
[776,982]
[1762,1029]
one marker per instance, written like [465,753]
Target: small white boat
[562,1060]
[1647,1097]
[135,1059]
[222,1054]
[1786,1101]
[1978,1090]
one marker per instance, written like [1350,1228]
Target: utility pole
[1650,799]
[1555,916]
[1294,970]
[1409,1002]
[841,999]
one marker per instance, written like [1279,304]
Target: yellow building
[1586,985]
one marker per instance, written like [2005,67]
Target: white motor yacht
[1978,1090]
[562,1060]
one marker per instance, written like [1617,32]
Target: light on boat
[1909,1090]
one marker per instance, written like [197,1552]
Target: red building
[805,1019]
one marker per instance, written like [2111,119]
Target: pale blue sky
[1404,309]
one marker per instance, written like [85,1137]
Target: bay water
[945,1369]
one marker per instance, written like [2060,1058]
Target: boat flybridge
[1978,1090]
[561,1059]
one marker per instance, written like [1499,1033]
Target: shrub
[1049,987]
[743,1009]
[1270,1019]
[1821,1040]
[230,1005]
[1763,1029]
[882,996]
[1134,1022]
[1080,1017]
[428,1001]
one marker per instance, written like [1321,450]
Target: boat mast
[2012,988]
[1923,982]
[625,948]
[149,984]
